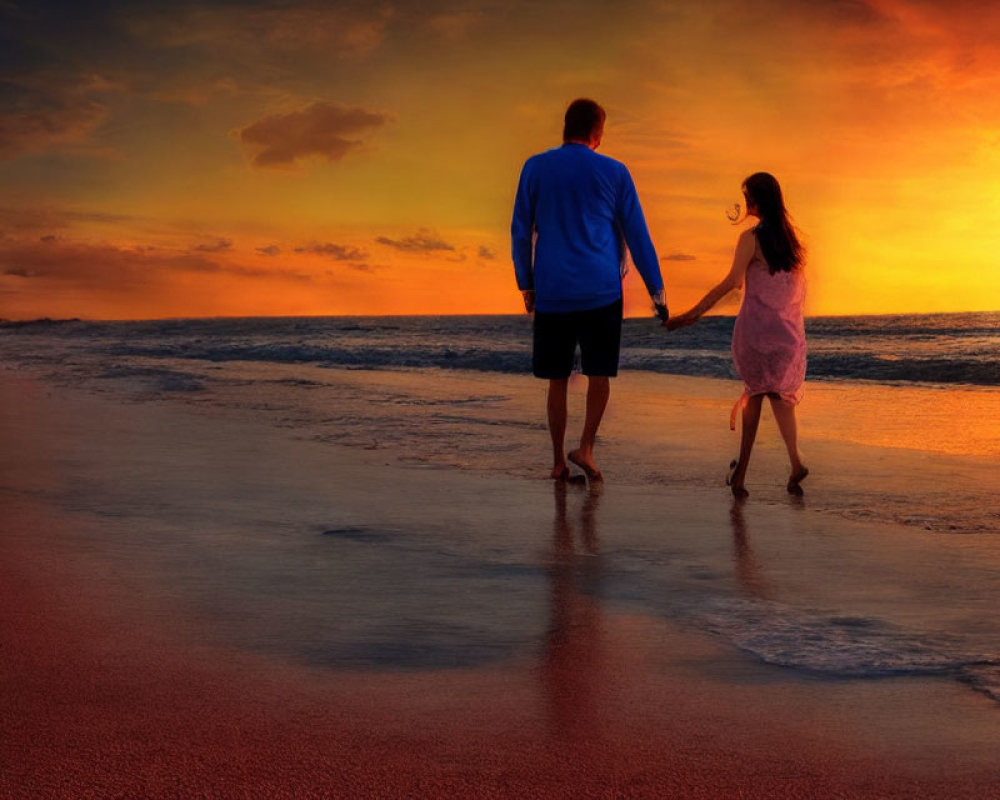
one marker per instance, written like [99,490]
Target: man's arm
[636,233]
[522,231]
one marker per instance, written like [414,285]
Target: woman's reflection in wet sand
[748,572]
[573,663]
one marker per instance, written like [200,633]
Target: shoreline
[138,625]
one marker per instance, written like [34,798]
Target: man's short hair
[583,118]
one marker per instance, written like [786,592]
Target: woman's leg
[748,433]
[784,415]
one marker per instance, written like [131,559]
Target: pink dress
[769,338]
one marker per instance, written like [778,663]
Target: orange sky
[213,158]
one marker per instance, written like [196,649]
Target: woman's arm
[745,247]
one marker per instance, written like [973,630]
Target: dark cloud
[218,246]
[359,266]
[424,241]
[487,252]
[270,250]
[259,272]
[678,257]
[454,25]
[189,51]
[323,130]
[33,121]
[345,29]
[34,218]
[352,257]
[338,252]
[86,264]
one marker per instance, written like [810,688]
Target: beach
[279,580]
[284,512]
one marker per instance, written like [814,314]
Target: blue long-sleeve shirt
[574,213]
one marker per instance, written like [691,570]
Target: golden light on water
[953,421]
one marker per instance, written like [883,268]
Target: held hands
[529,300]
[660,307]
[682,321]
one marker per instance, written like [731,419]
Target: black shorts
[598,331]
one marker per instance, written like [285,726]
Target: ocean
[921,349]
[900,417]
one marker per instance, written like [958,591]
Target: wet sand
[128,671]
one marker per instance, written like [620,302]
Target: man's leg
[556,407]
[553,346]
[598,392]
[600,335]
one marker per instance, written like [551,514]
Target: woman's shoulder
[747,239]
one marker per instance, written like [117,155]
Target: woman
[769,343]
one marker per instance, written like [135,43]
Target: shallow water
[415,558]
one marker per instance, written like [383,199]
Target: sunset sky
[164,159]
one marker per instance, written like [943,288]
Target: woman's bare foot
[586,463]
[734,480]
[795,479]
[560,472]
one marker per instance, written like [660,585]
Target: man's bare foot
[587,465]
[560,472]
[795,479]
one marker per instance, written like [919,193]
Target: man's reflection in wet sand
[748,572]
[572,663]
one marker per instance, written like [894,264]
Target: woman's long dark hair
[775,232]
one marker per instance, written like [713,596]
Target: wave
[927,349]
[42,322]
[356,357]
[845,646]
[978,371]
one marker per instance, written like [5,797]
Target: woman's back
[769,344]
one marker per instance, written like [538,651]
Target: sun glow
[272,162]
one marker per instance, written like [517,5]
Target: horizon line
[62,320]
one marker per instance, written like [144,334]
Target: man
[574,213]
